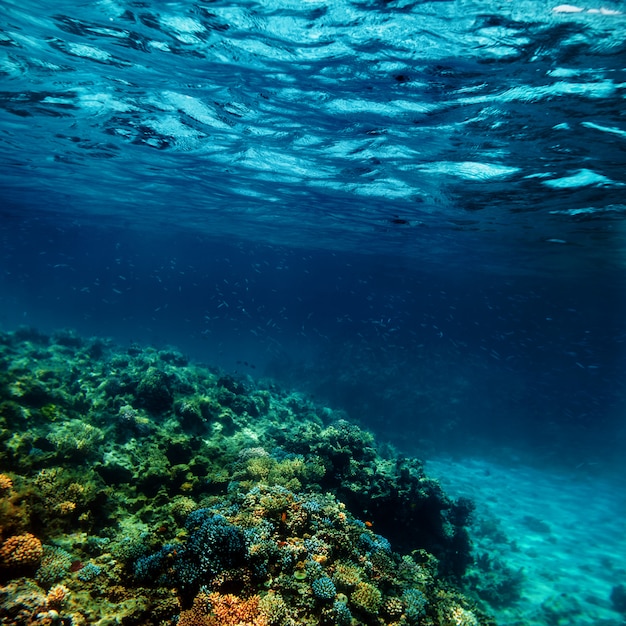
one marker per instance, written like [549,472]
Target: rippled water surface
[413,211]
[414,208]
[411,127]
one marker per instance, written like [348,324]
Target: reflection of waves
[345,118]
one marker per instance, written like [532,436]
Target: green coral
[367,597]
[54,565]
[347,575]
[154,390]
[75,437]
[51,412]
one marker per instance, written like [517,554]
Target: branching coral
[273,607]
[324,588]
[346,575]
[55,565]
[56,596]
[6,483]
[76,438]
[199,614]
[458,616]
[231,610]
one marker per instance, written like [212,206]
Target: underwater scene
[313,312]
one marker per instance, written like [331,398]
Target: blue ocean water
[411,210]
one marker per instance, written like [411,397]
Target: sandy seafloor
[566,531]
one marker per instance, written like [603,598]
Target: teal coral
[343,616]
[54,565]
[88,572]
[415,602]
[323,588]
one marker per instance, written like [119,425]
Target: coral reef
[493,581]
[367,598]
[140,488]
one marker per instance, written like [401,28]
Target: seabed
[137,487]
[140,488]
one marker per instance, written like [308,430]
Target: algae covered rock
[154,391]
[394,494]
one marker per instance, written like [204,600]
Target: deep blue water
[411,210]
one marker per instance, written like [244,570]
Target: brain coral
[20,550]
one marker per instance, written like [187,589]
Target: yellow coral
[346,575]
[289,473]
[367,598]
[66,507]
[5,483]
[75,491]
[182,506]
[394,607]
[273,607]
[57,596]
[458,616]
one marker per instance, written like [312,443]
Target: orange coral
[20,550]
[5,483]
[231,610]
[198,614]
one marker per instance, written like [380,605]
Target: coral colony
[139,488]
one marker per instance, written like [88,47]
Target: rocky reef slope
[140,488]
